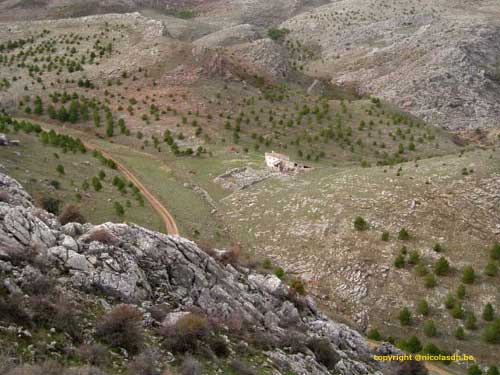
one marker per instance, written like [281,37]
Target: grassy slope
[34,165]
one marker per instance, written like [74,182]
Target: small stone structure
[282,163]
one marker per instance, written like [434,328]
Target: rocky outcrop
[139,266]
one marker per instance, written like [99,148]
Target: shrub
[474,370]
[414,257]
[276,34]
[144,364]
[423,307]
[491,269]
[491,333]
[51,205]
[459,333]
[385,236]
[430,329]
[438,248]
[449,302]
[430,281]
[299,286]
[241,368]
[59,313]
[219,346]
[122,328]
[185,335]
[13,310]
[421,269]
[71,214]
[412,345]
[495,251]
[279,272]
[457,311]
[405,316]
[190,366]
[103,236]
[324,352]
[488,312]
[232,255]
[468,275]
[399,262]
[93,354]
[442,267]
[403,235]
[374,334]
[470,321]
[360,224]
[492,370]
[431,349]
[461,291]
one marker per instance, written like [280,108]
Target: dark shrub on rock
[122,328]
[71,214]
[324,352]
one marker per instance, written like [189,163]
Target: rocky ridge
[134,265]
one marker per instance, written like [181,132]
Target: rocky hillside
[62,286]
[438,59]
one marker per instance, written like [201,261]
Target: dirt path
[170,225]
[169,221]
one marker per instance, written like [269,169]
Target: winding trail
[170,225]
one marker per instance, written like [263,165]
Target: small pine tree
[423,307]
[442,267]
[438,248]
[414,257]
[374,334]
[399,262]
[488,312]
[430,329]
[459,333]
[449,302]
[60,169]
[474,370]
[96,183]
[120,211]
[405,316]
[491,269]
[470,321]
[468,275]
[493,370]
[495,251]
[457,311]
[360,224]
[403,235]
[430,281]
[461,291]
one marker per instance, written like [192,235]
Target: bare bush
[122,328]
[324,352]
[71,214]
[93,354]
[12,309]
[184,336]
[59,313]
[241,368]
[144,364]
[103,236]
[190,366]
[38,285]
